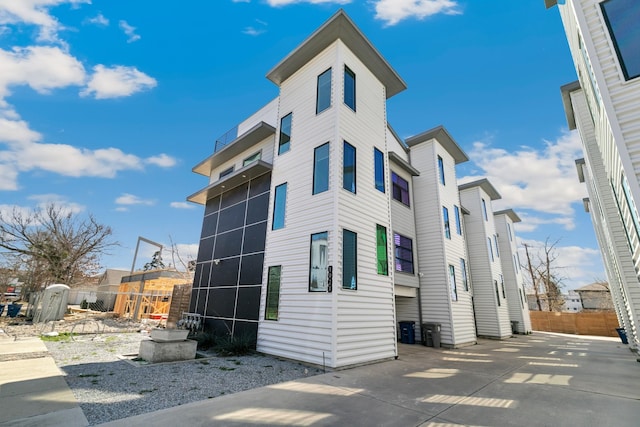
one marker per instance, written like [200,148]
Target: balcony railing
[225,139]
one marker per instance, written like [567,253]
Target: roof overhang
[580,163]
[464,210]
[341,27]
[568,105]
[443,137]
[550,3]
[243,142]
[510,213]
[485,185]
[230,181]
[403,164]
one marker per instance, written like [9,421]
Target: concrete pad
[66,417]
[36,402]
[28,369]
[23,345]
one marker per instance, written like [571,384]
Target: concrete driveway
[537,380]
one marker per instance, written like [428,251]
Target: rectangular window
[441,169]
[285,134]
[504,292]
[349,167]
[515,264]
[463,270]
[510,234]
[279,206]
[273,293]
[452,283]
[323,100]
[495,241]
[349,260]
[253,158]
[622,18]
[318,262]
[404,253]
[456,212]
[519,264]
[495,285]
[400,189]
[226,172]
[349,88]
[490,248]
[447,227]
[381,250]
[484,210]
[321,168]
[378,166]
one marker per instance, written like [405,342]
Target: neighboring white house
[572,302]
[322,227]
[604,106]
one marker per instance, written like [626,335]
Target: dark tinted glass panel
[378,163]
[228,244]
[279,206]
[209,225]
[202,300]
[205,251]
[321,169]
[251,270]
[218,326]
[349,168]
[197,275]
[349,260]
[623,21]
[205,275]
[225,273]
[273,293]
[258,209]
[254,237]
[248,306]
[403,253]
[285,134]
[324,91]
[234,195]
[350,88]
[212,205]
[222,302]
[232,217]
[260,185]
[193,301]
[246,329]
[400,189]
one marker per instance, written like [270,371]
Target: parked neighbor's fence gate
[601,323]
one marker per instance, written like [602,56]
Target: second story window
[400,189]
[349,88]
[279,206]
[441,169]
[447,227]
[456,212]
[321,168]
[378,169]
[484,210]
[285,134]
[495,241]
[404,253]
[349,167]
[323,100]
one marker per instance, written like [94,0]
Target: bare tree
[55,245]
[544,276]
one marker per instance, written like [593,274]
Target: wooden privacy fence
[601,323]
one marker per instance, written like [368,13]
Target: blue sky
[106,105]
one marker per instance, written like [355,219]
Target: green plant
[206,340]
[64,336]
[224,368]
[235,345]
[88,375]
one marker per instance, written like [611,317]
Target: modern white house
[604,106]
[489,288]
[322,228]
[512,270]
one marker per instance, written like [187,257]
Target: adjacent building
[323,228]
[604,106]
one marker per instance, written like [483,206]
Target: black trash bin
[408,332]
[514,327]
[623,335]
[431,334]
[13,309]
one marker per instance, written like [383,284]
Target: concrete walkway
[538,380]
[33,391]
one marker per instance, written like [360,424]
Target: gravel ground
[109,387]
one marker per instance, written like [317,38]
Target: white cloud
[182,205]
[43,200]
[252,31]
[35,12]
[543,181]
[531,223]
[42,68]
[394,11]
[98,20]
[576,266]
[130,199]
[116,82]
[277,3]
[130,31]
[161,160]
